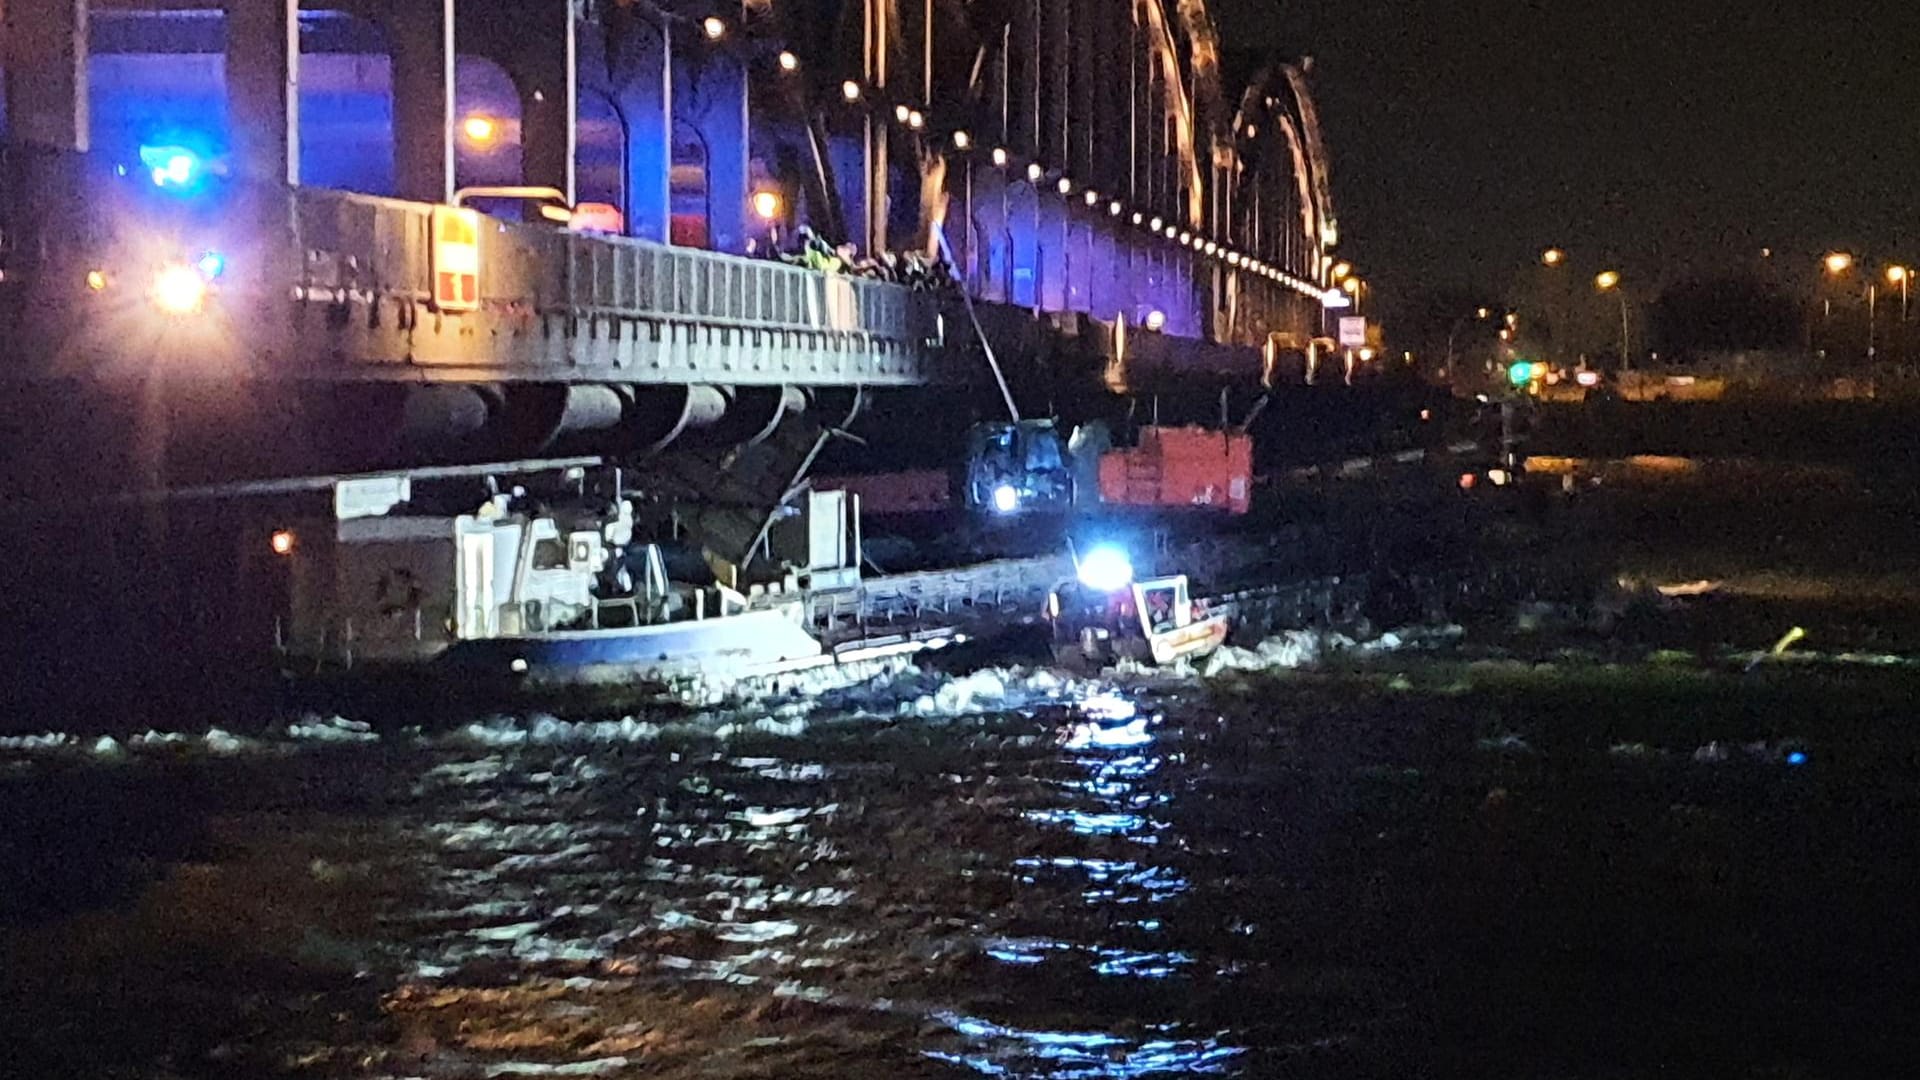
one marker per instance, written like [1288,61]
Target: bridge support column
[45,58]
[263,96]
[645,98]
[717,89]
[421,33]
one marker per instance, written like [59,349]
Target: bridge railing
[354,241]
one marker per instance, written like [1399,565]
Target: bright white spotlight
[1106,569]
[1006,499]
[179,290]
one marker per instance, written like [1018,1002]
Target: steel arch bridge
[1116,199]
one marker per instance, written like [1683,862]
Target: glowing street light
[1553,257]
[1838,263]
[962,140]
[1000,156]
[479,130]
[788,61]
[766,205]
[1035,172]
[850,90]
[1609,281]
[1341,270]
[1900,275]
[714,28]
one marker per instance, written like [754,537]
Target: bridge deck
[336,285]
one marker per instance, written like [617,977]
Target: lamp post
[1609,281]
[1836,265]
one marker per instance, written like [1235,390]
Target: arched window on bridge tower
[1079,263]
[483,94]
[691,193]
[1023,248]
[601,137]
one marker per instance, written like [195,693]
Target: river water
[1419,864]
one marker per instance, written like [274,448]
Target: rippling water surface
[1362,874]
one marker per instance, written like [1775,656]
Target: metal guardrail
[366,243]
[997,590]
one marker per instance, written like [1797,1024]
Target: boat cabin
[404,588]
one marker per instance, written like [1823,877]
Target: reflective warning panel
[456,259]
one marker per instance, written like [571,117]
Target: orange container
[1188,467]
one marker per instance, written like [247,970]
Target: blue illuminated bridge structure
[542,220]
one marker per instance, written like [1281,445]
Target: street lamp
[479,130]
[766,205]
[1553,257]
[1341,270]
[715,29]
[788,61]
[1837,264]
[1609,281]
[1899,275]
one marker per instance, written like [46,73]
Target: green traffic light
[1521,373]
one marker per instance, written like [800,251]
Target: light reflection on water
[840,881]
[1306,877]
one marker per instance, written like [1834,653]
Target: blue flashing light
[212,265]
[1006,498]
[1797,757]
[1106,569]
[173,168]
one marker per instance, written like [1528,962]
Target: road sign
[456,259]
[1353,332]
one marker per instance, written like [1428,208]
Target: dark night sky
[1665,138]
